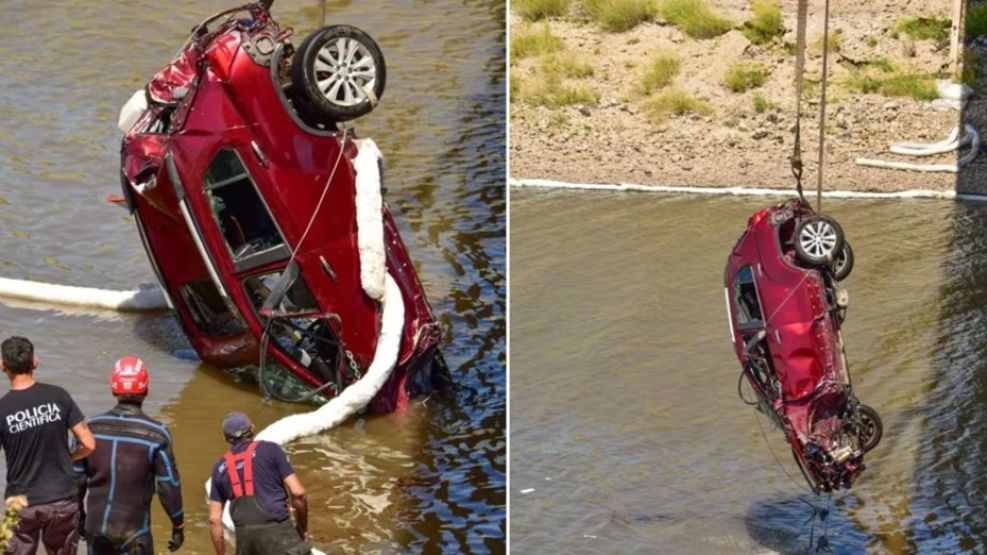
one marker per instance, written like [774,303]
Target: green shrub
[558,68]
[924,28]
[744,77]
[617,16]
[976,20]
[911,85]
[675,102]
[660,72]
[695,18]
[534,10]
[834,44]
[766,23]
[534,42]
[971,69]
[761,104]
[558,95]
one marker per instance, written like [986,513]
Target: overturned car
[785,309]
[261,213]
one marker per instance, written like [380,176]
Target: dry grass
[834,44]
[675,103]
[532,41]
[695,18]
[924,28]
[898,83]
[558,67]
[766,23]
[535,10]
[662,69]
[617,16]
[744,77]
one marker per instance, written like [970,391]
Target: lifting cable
[266,335]
[796,158]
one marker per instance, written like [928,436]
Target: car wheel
[818,239]
[843,264]
[871,428]
[338,72]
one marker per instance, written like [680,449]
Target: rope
[778,461]
[822,108]
[266,336]
[796,159]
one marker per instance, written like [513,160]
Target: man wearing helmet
[253,476]
[133,454]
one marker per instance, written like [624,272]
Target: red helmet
[129,377]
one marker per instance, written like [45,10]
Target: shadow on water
[947,511]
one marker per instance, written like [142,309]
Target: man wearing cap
[35,419]
[133,456]
[253,476]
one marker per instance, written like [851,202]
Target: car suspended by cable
[261,212]
[786,309]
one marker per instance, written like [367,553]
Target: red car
[785,310]
[246,190]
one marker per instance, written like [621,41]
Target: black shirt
[34,426]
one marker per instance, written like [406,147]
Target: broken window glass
[297,326]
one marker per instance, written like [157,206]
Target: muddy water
[430,478]
[625,420]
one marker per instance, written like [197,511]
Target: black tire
[843,264]
[871,428]
[818,239]
[342,95]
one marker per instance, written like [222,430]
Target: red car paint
[220,105]
[788,314]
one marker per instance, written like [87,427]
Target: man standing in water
[132,455]
[34,422]
[253,476]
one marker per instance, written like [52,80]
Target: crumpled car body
[222,175]
[785,322]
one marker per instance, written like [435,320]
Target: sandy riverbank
[613,140]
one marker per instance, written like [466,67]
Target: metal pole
[956,39]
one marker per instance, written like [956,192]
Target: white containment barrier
[147,298]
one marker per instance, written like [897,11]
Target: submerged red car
[785,309]
[248,190]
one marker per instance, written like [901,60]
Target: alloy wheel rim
[343,68]
[818,239]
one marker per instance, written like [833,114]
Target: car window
[208,310]
[296,325]
[745,297]
[240,213]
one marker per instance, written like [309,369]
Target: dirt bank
[614,139]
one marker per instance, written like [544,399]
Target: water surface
[625,420]
[430,479]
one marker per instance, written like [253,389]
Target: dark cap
[236,424]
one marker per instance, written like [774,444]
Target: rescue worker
[133,456]
[253,477]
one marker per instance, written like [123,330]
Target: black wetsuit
[133,457]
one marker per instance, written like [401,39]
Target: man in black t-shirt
[34,421]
